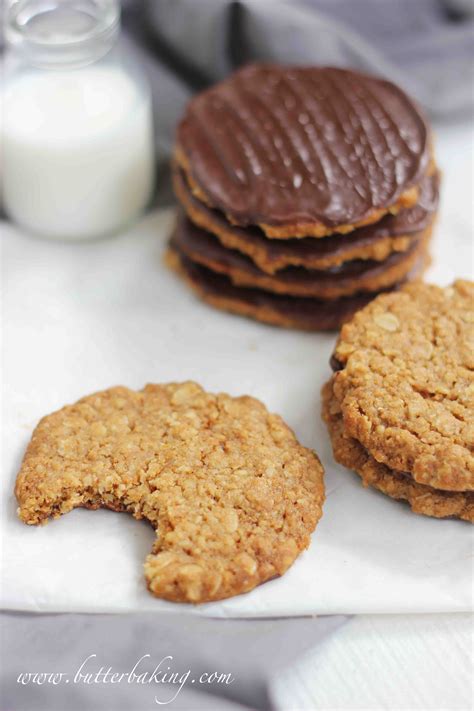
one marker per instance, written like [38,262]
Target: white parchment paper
[80,318]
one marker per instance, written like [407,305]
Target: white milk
[77,151]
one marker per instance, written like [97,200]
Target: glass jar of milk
[77,137]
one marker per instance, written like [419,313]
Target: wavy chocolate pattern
[287,145]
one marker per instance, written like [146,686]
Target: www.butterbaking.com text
[89,673]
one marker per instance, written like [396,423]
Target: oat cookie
[231,493]
[406,383]
[398,485]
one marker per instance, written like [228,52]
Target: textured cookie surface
[398,485]
[303,150]
[406,383]
[231,493]
[393,233]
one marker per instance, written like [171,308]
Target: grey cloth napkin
[251,651]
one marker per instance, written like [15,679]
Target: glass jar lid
[55,33]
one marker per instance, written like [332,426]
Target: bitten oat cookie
[406,383]
[231,493]
[398,485]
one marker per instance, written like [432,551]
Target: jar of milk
[77,138]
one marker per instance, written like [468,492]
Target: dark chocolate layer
[287,311]
[296,145]
[252,241]
[350,277]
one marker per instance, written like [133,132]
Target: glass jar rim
[52,32]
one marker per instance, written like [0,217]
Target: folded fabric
[244,654]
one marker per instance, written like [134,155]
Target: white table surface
[375,661]
[378,662]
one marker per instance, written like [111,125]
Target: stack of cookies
[303,193]
[399,405]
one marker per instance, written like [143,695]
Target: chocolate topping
[335,364]
[350,277]
[408,222]
[289,311]
[298,145]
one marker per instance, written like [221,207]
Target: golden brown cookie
[231,493]
[421,498]
[349,278]
[303,151]
[393,233]
[406,383]
[305,314]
